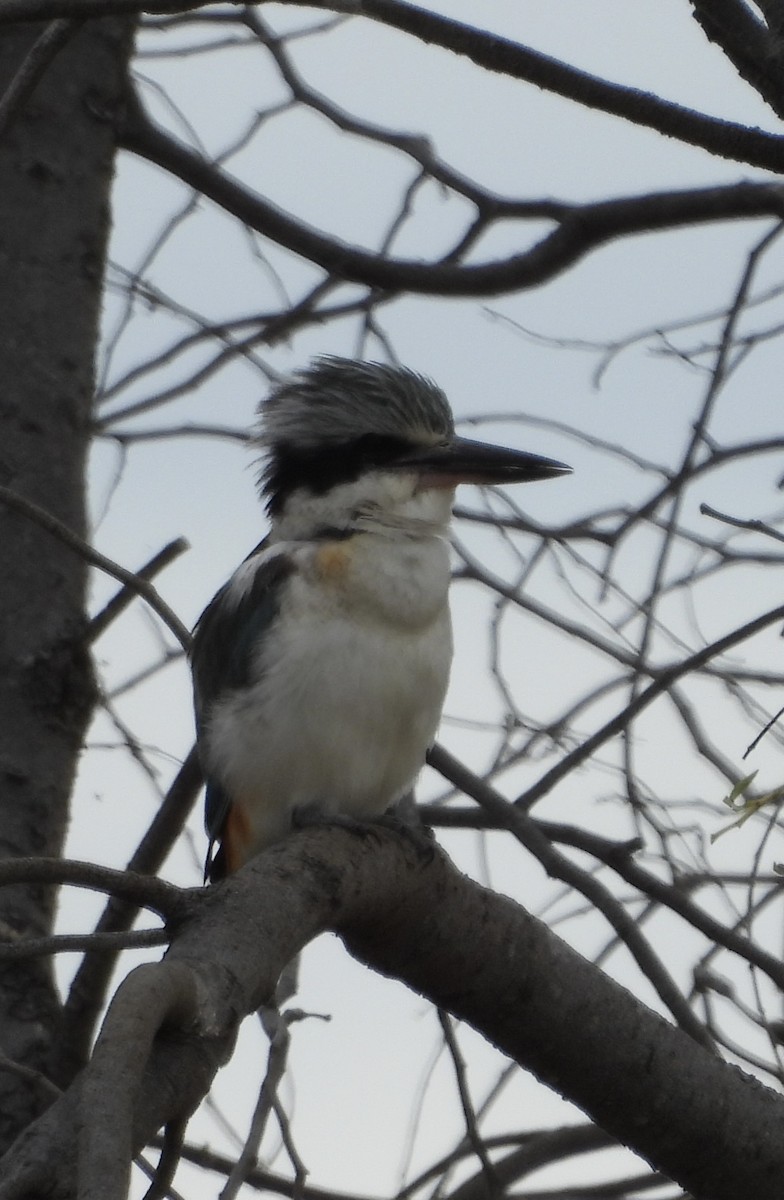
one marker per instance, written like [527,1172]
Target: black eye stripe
[319,470]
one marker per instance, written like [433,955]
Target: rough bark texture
[699,1120]
[55,175]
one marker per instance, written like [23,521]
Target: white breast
[349,684]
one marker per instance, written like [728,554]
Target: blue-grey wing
[225,639]
[231,626]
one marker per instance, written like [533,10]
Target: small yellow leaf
[739,789]
[749,807]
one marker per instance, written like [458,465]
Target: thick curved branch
[579,228]
[493,53]
[152,997]
[500,55]
[426,924]
[558,866]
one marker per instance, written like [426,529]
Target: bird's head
[352,444]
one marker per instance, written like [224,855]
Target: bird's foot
[419,836]
[308,816]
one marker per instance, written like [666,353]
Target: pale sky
[374,1052]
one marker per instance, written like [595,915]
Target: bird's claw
[420,837]
[309,816]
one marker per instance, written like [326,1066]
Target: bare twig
[87,994]
[560,867]
[469,1114]
[171,1153]
[751,524]
[660,685]
[127,594]
[94,942]
[146,891]
[24,82]
[144,589]
[277,1027]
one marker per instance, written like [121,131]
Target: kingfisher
[320,668]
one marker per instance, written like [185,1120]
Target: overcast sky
[524,143]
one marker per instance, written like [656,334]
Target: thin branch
[276,329]
[137,285]
[88,990]
[491,52]
[660,685]
[619,857]
[165,899]
[44,49]
[766,728]
[259,1178]
[414,146]
[142,588]
[491,1181]
[741,523]
[118,604]
[502,56]
[558,866]
[94,942]
[171,1153]
[187,430]
[276,1025]
[542,1148]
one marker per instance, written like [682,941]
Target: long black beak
[464,461]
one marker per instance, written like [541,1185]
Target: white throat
[386,503]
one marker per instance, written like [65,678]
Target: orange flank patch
[237,838]
[332,561]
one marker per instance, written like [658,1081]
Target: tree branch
[663,681]
[558,866]
[141,587]
[168,901]
[96,943]
[492,53]
[118,603]
[87,995]
[579,228]
[151,998]
[502,56]
[23,84]
[717,1135]
[747,43]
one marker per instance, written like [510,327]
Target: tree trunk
[56,163]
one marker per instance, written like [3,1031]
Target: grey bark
[56,162]
[699,1120]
